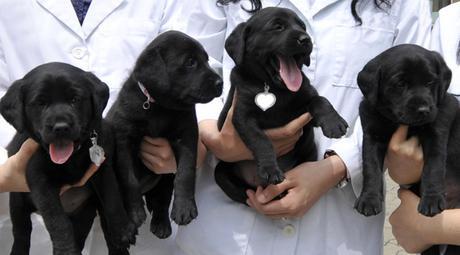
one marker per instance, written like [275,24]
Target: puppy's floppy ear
[151,70]
[444,75]
[12,105]
[99,95]
[235,43]
[369,79]
[306,61]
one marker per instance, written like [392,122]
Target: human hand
[304,184]
[158,155]
[413,231]
[227,145]
[404,157]
[12,172]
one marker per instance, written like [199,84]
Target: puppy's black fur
[272,40]
[174,69]
[408,84]
[59,105]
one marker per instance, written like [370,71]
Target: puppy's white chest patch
[265,100]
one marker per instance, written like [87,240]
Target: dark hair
[257,5]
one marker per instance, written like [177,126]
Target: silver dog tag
[96,152]
[265,100]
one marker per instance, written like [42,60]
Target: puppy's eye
[191,63]
[39,102]
[430,84]
[75,100]
[401,85]
[278,26]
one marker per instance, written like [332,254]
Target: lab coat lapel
[64,12]
[97,12]
[303,6]
[320,5]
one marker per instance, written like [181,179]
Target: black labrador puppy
[60,106]
[158,100]
[271,90]
[408,84]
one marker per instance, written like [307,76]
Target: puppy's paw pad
[160,226]
[184,211]
[369,205]
[129,234]
[430,205]
[333,126]
[137,214]
[270,176]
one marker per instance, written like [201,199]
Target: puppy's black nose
[61,128]
[423,110]
[302,39]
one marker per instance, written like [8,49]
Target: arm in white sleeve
[415,23]
[207,23]
[349,149]
[6,130]
[436,38]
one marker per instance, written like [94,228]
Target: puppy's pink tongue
[290,73]
[60,153]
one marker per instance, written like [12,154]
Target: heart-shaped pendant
[265,100]
[96,152]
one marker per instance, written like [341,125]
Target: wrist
[337,171]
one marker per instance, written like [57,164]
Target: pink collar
[146,104]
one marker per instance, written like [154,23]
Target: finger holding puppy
[404,158]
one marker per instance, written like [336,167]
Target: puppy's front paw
[160,225]
[432,204]
[369,204]
[184,210]
[270,175]
[332,125]
[137,213]
[128,234]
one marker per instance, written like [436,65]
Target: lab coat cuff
[209,111]
[351,157]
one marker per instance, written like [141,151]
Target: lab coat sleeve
[4,81]
[6,130]
[414,24]
[207,23]
[349,149]
[436,38]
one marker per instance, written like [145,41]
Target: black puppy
[158,100]
[406,84]
[60,106]
[269,51]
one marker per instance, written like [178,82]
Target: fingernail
[262,198]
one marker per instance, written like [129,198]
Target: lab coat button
[78,52]
[288,230]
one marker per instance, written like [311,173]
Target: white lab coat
[446,40]
[341,48]
[114,32]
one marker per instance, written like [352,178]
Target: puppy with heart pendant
[269,51]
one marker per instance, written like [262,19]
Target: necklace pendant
[265,100]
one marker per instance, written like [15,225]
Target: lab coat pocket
[355,46]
